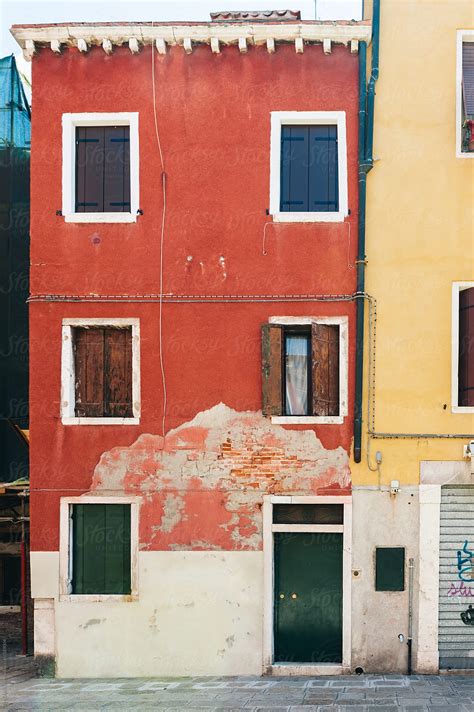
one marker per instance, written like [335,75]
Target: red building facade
[204,262]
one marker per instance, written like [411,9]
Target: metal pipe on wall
[411,569]
[366,129]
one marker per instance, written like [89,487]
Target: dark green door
[308,597]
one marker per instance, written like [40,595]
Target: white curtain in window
[297,363]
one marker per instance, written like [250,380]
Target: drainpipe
[366,139]
[411,568]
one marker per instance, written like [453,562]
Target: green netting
[15,115]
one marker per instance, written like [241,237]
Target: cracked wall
[202,488]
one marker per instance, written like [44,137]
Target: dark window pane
[389,569]
[297,369]
[294,169]
[89,169]
[323,169]
[117,169]
[308,514]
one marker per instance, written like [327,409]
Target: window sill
[100,421]
[309,217]
[307,419]
[100,217]
[462,409]
[98,598]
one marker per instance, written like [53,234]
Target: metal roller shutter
[456,578]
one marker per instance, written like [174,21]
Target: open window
[100,167]
[304,370]
[100,372]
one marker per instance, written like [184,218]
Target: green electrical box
[389,568]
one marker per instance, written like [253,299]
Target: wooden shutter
[294,169]
[118,372]
[117,169]
[325,363]
[323,169]
[89,169]
[466,348]
[272,390]
[89,372]
[468,78]
[101,557]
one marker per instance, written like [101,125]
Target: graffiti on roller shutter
[464,566]
[464,557]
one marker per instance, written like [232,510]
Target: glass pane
[297,355]
[308,514]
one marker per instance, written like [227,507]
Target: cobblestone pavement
[366,693]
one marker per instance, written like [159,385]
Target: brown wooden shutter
[89,169]
[89,372]
[272,349]
[325,362]
[118,372]
[466,348]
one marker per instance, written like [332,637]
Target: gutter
[366,162]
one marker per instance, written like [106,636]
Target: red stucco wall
[214,120]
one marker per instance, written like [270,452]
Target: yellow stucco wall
[420,233]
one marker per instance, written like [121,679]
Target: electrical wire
[162,240]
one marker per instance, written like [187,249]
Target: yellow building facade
[413,488]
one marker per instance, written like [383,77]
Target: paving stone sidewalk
[367,693]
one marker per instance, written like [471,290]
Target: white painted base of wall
[198,613]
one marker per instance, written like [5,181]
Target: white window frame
[343,323]
[65,549]
[461,37]
[284,118]
[68,389]
[455,408]
[268,567]
[69,124]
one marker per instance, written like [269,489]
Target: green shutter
[101,549]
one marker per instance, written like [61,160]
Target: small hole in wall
[445,406]
[359,671]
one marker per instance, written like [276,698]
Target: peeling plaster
[202,487]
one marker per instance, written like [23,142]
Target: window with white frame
[463,348]
[98,547]
[305,369]
[308,166]
[100,167]
[465,94]
[100,371]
